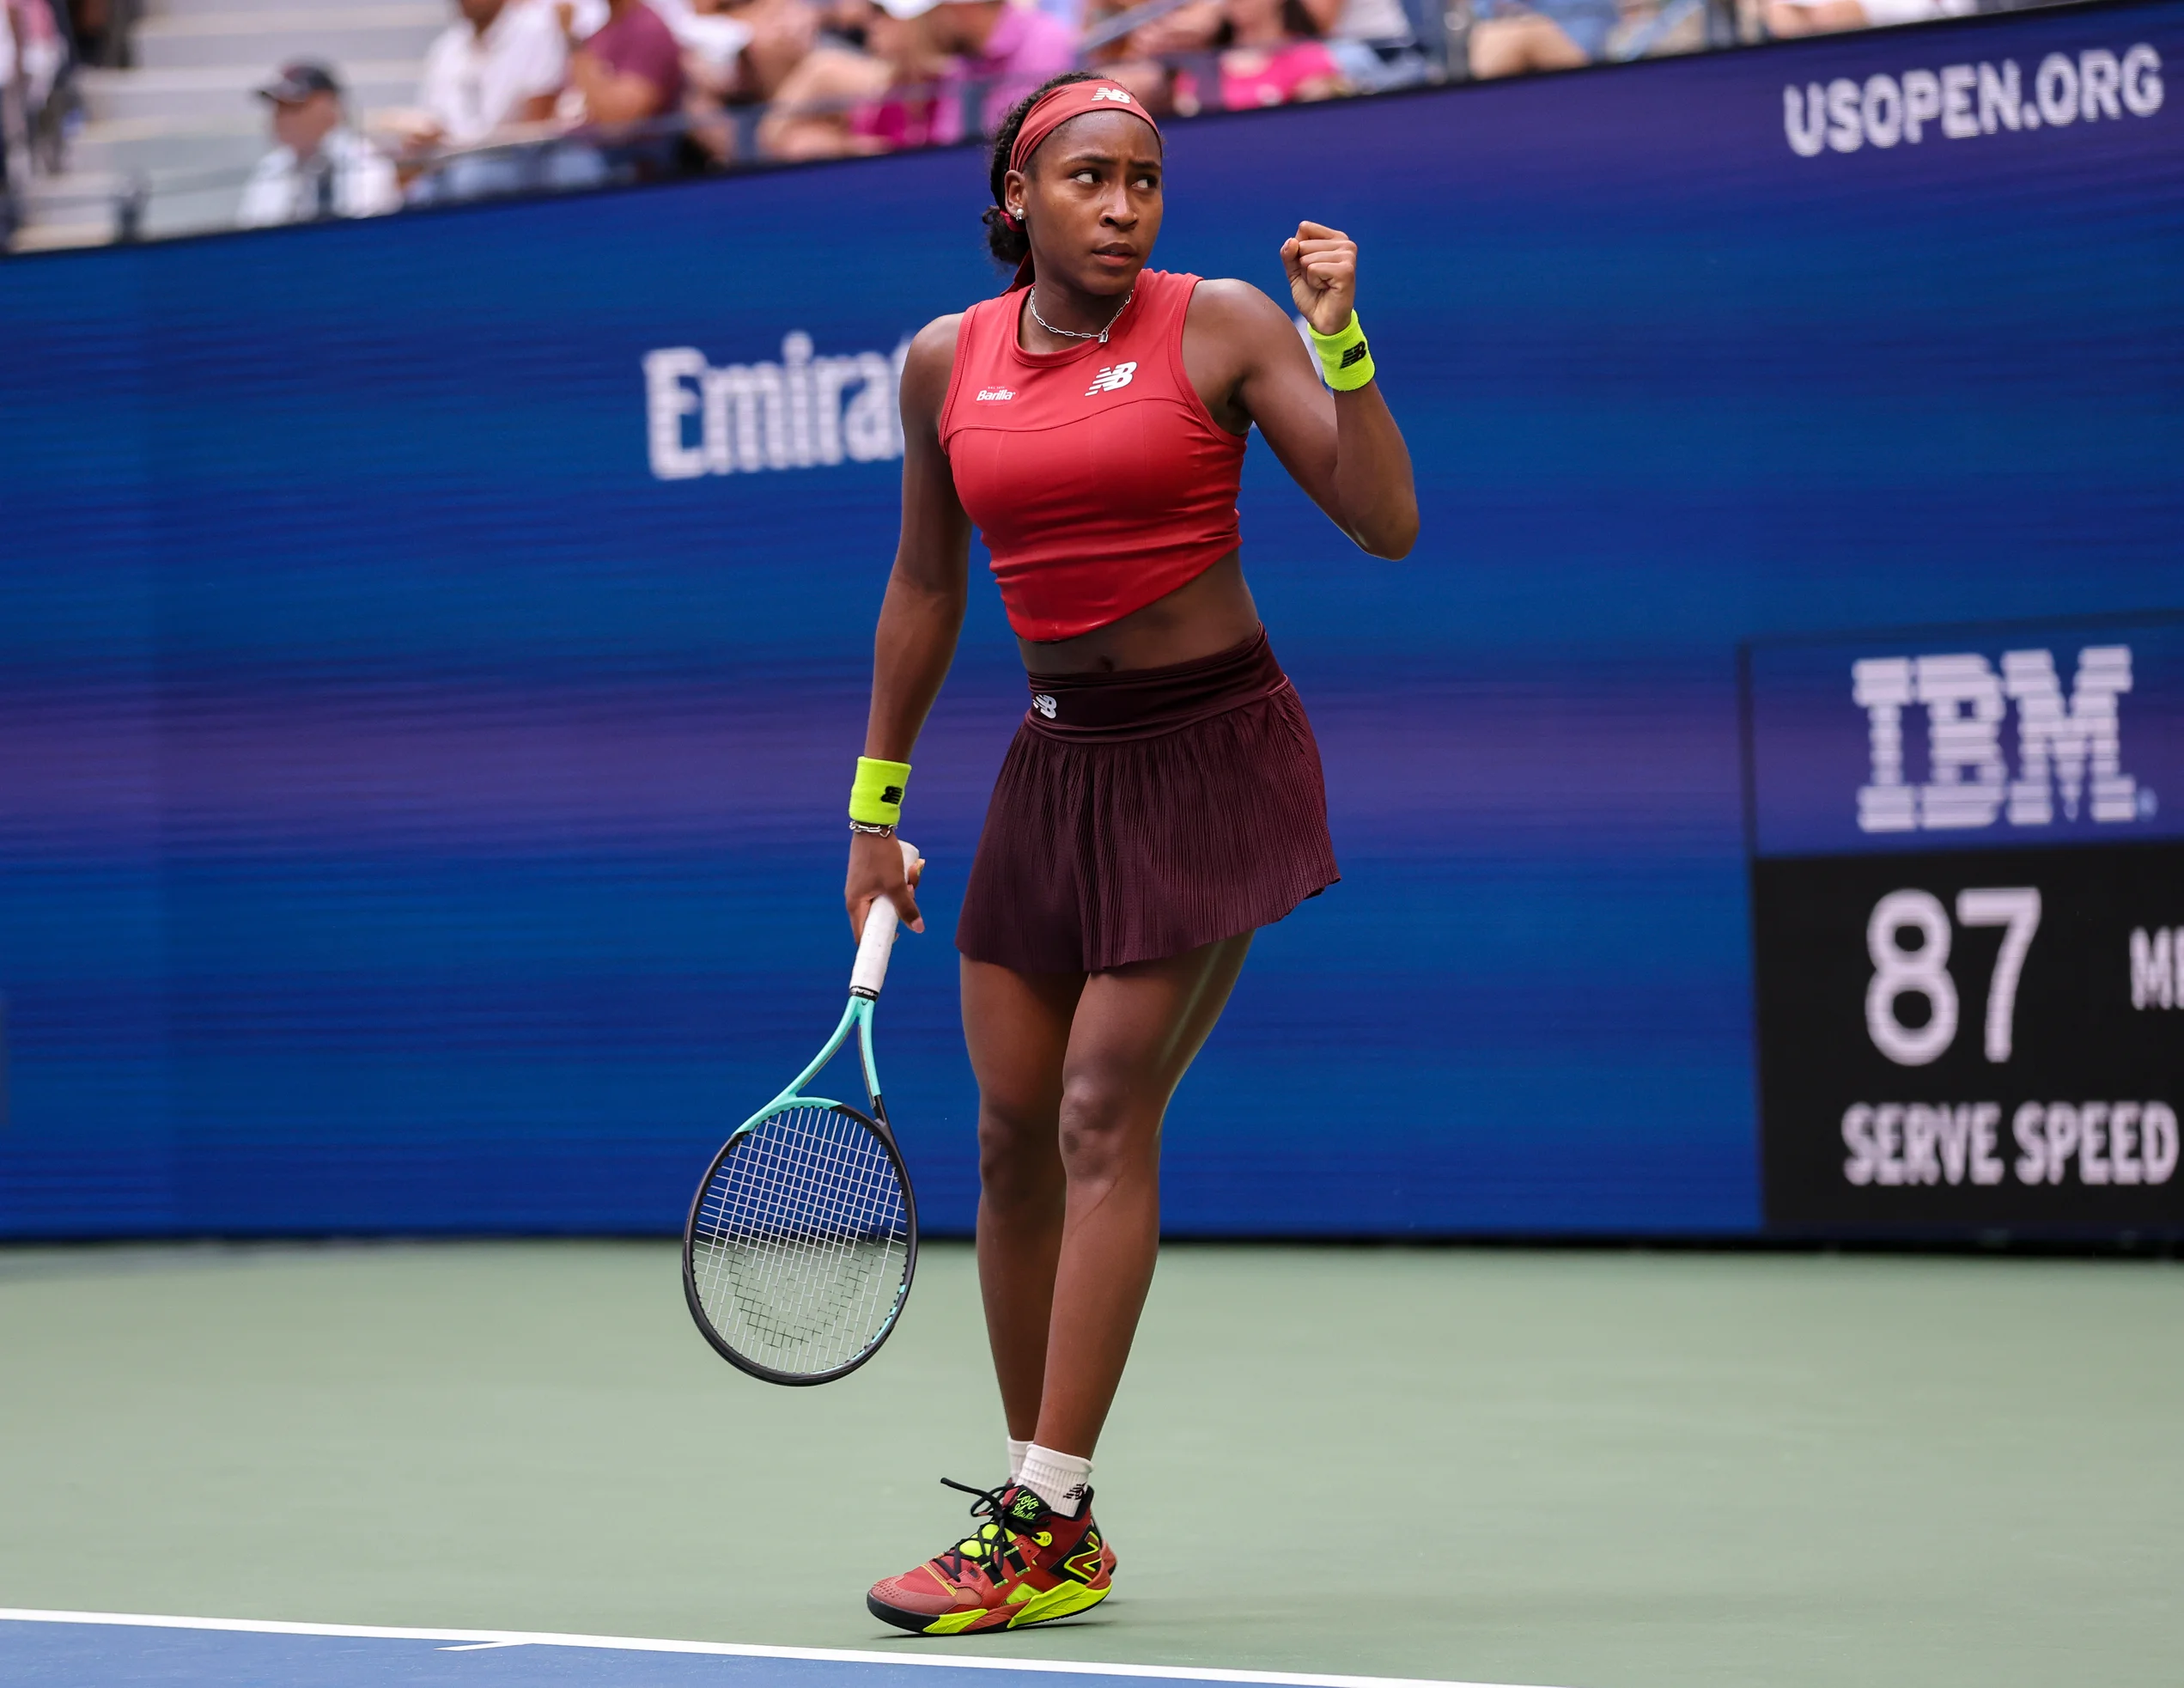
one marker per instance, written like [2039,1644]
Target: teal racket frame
[865,981]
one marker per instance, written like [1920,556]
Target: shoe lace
[993,1543]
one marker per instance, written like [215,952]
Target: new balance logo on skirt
[1113,377]
[804,412]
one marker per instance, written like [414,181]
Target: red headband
[1056,108]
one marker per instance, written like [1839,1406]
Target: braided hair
[1011,247]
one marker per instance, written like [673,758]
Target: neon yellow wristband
[876,795]
[1344,356]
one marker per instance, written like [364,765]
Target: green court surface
[1593,1469]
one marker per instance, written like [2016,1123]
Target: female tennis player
[1163,798]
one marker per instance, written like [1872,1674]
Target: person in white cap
[320,166]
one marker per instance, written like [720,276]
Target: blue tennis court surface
[48,1649]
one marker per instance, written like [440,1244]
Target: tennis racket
[802,1238]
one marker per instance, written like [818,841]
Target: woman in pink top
[841,101]
[1274,57]
[1271,56]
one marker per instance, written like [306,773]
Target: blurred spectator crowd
[526,94]
[523,95]
[640,87]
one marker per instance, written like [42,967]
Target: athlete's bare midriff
[1206,614]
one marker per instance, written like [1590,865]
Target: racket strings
[801,1241]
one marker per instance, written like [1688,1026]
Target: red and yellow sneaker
[1025,1564]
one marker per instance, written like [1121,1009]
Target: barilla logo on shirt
[1111,379]
[995,395]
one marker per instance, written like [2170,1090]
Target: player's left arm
[1343,448]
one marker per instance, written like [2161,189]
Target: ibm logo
[2067,748]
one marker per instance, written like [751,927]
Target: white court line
[732,1649]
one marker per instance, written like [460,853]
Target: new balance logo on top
[995,395]
[2068,748]
[1112,378]
[1115,94]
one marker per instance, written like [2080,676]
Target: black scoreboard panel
[1973,1041]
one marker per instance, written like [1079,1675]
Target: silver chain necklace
[1071,333]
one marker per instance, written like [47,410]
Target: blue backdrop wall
[432,650]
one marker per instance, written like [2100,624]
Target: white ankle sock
[1061,1480]
[1017,1450]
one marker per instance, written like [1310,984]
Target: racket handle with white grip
[872,950]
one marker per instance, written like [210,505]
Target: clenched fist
[1322,266]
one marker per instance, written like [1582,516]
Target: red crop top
[1096,476]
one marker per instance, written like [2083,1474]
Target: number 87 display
[1898,971]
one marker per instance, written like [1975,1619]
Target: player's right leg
[1017,1028]
[1137,1029]
[1022,1562]
[1072,1187]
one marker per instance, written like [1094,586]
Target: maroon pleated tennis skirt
[1143,813]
